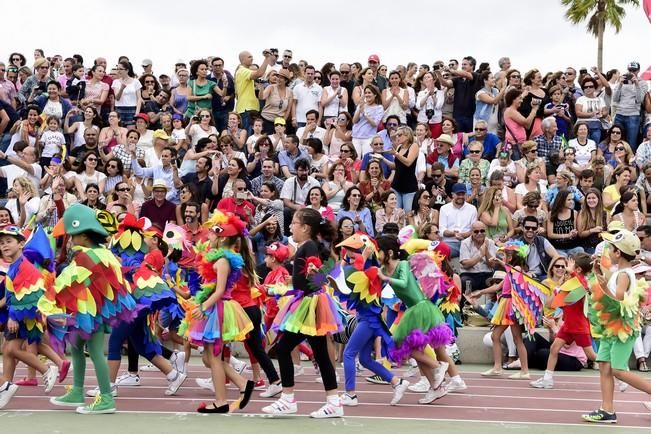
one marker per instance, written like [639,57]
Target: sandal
[246,394]
[512,366]
[492,372]
[642,366]
[212,408]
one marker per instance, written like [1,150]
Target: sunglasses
[287,57]
[149,82]
[265,144]
[279,125]
[16,59]
[241,189]
[344,150]
[317,78]
[392,124]
[530,228]
[620,148]
[43,67]
[515,77]
[559,266]
[354,195]
[345,72]
[91,159]
[342,119]
[533,150]
[480,129]
[479,231]
[474,151]
[123,190]
[205,116]
[619,133]
[588,86]
[112,166]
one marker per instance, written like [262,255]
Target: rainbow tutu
[224,322]
[312,315]
[503,313]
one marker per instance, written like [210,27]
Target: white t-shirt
[12,172]
[178,135]
[582,153]
[146,141]
[129,97]
[196,133]
[52,141]
[521,189]
[31,208]
[86,179]
[307,98]
[318,133]
[151,159]
[590,105]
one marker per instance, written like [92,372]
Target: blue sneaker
[600,416]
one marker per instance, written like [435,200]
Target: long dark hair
[319,227]
[388,243]
[559,203]
[241,245]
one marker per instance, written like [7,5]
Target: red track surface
[486,399]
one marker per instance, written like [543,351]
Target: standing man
[628,96]
[287,59]
[247,103]
[466,84]
[348,83]
[456,219]
[307,96]
[147,67]
[224,104]
[374,64]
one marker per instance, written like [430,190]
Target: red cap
[155,260]
[278,251]
[442,248]
[374,58]
[143,116]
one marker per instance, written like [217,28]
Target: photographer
[238,203]
[628,98]
[247,103]
[36,84]
[429,104]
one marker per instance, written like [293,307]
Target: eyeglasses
[620,148]
[344,150]
[16,59]
[123,190]
[317,78]
[392,124]
[474,151]
[112,166]
[480,129]
[372,62]
[355,195]
[436,175]
[530,228]
[533,205]
[205,116]
[286,56]
[265,144]
[515,77]
[479,231]
[149,81]
[345,72]
[343,119]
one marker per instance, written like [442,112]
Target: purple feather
[417,341]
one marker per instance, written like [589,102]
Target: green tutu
[423,316]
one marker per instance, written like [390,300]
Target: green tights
[95,347]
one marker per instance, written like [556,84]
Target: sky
[533,33]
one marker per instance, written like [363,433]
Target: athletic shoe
[103,404]
[29,382]
[542,383]
[50,377]
[74,397]
[281,407]
[148,368]
[94,392]
[433,395]
[7,393]
[349,400]
[376,379]
[421,386]
[298,370]
[237,364]
[327,411]
[600,416]
[647,405]
[272,390]
[260,385]
[178,360]
[205,383]
[128,379]
[63,372]
[399,391]
[412,371]
[439,374]
[621,386]
[520,376]
[456,385]
[173,386]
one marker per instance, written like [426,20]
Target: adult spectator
[487,101]
[373,64]
[278,101]
[540,249]
[585,149]
[35,85]
[311,128]
[91,119]
[238,203]
[354,208]
[549,143]
[334,99]
[8,90]
[200,126]
[395,98]
[383,158]
[531,206]
[202,89]
[429,104]
[157,107]
[268,203]
[266,175]
[90,145]
[245,77]
[489,140]
[530,159]
[127,96]
[159,210]
[236,134]
[224,103]
[628,96]
[389,212]
[466,83]
[200,178]
[644,233]
[222,185]
[166,171]
[591,220]
[24,163]
[456,219]
[26,200]
[476,258]
[561,225]
[611,194]
[628,211]
[443,155]
[565,181]
[515,124]
[405,154]
[496,216]
[97,90]
[474,160]
[295,189]
[367,119]
[388,134]
[52,103]
[290,156]
[112,135]
[421,212]
[307,96]
[591,108]
[337,185]
[108,80]
[8,118]
[53,205]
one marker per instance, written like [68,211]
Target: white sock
[289,397]
[549,375]
[334,400]
[172,375]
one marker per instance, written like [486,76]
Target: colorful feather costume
[24,287]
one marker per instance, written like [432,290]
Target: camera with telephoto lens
[627,78]
[41,87]
[429,113]
[270,51]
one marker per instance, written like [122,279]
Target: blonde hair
[487,200]
[27,185]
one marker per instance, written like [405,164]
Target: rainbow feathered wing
[528,297]
[24,288]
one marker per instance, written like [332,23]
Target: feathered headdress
[518,247]
[176,237]
[226,224]
[130,234]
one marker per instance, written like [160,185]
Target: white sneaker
[542,383]
[349,400]
[174,385]
[433,395]
[439,374]
[237,364]
[178,360]
[128,379]
[412,371]
[272,390]
[399,391]
[298,370]
[421,386]
[95,391]
[621,386]
[7,394]
[50,378]
[281,406]
[646,404]
[148,368]
[327,411]
[205,383]
[456,385]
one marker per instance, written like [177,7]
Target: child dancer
[616,303]
[24,286]
[212,318]
[94,273]
[575,327]
[311,314]
[422,323]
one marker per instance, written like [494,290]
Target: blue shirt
[490,146]
[287,160]
[385,167]
[158,172]
[364,216]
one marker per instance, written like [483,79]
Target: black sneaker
[376,379]
[600,416]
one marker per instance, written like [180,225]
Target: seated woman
[564,182]
[475,188]
[389,213]
[611,194]
[316,199]
[561,225]
[474,160]
[337,185]
[421,212]
[591,221]
[530,158]
[623,156]
[265,233]
[492,212]
[628,212]
[531,206]
[496,179]
[354,207]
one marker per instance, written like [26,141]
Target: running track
[486,399]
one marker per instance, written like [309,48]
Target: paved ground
[490,405]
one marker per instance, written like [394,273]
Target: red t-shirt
[574,320]
[188,258]
[242,292]
[228,204]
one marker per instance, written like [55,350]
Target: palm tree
[599,13]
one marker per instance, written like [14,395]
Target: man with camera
[238,203]
[247,103]
[628,98]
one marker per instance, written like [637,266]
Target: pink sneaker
[63,372]
[27,382]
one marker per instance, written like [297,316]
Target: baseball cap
[280,121]
[616,226]
[146,62]
[161,134]
[278,251]
[459,188]
[624,240]
[143,116]
[633,66]
[374,58]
